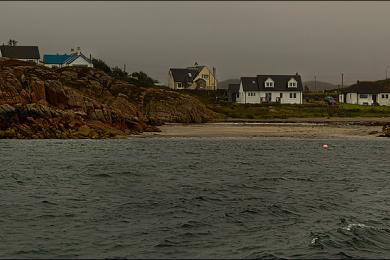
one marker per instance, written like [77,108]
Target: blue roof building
[65,60]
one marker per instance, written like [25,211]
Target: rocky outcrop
[39,102]
[386,130]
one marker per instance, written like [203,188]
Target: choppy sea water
[195,198]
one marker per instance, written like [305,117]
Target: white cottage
[283,89]
[67,60]
[366,93]
[24,53]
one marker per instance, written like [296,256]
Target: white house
[195,77]
[366,93]
[283,89]
[67,60]
[24,53]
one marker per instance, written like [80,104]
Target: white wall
[285,97]
[244,97]
[351,98]
[171,82]
[80,61]
[240,99]
[356,99]
[383,101]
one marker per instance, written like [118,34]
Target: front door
[268,97]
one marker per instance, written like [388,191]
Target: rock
[386,130]
[40,102]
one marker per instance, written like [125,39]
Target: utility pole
[342,80]
[124,67]
[315,82]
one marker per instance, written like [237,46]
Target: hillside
[319,85]
[71,102]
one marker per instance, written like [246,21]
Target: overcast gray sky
[238,38]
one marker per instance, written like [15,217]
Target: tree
[143,79]
[118,73]
[136,78]
[12,42]
[99,64]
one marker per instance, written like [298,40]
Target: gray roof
[233,88]
[280,83]
[367,87]
[249,84]
[20,52]
[183,74]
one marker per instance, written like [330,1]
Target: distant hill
[320,85]
[224,84]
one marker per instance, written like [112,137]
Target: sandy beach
[267,129]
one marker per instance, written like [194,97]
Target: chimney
[78,50]
[296,73]
[71,50]
[357,82]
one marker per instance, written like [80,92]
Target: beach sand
[299,130]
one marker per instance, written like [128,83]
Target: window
[387,95]
[205,76]
[291,95]
[281,95]
[383,96]
[251,94]
[189,74]
[295,95]
[179,85]
[292,83]
[269,83]
[238,95]
[363,96]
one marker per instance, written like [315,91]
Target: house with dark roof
[24,53]
[195,77]
[283,89]
[366,93]
[67,60]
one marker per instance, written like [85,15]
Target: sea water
[195,198]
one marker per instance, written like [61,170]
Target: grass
[311,110]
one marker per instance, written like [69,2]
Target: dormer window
[292,83]
[269,83]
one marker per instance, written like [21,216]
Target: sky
[238,38]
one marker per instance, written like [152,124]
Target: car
[330,100]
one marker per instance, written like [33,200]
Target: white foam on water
[350,226]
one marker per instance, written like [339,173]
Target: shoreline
[263,128]
[380,121]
